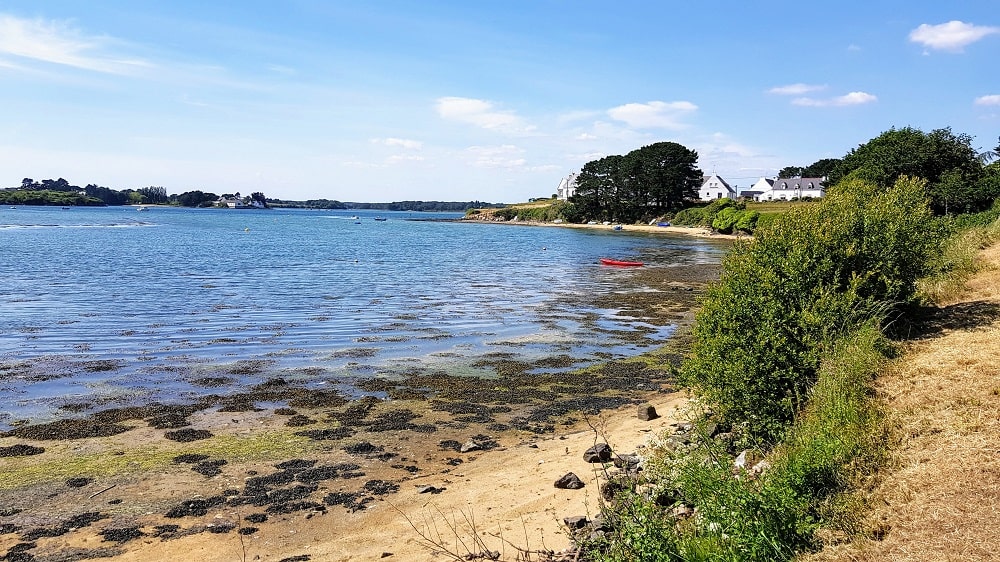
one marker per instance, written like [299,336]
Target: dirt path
[942,499]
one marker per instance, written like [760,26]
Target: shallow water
[114,306]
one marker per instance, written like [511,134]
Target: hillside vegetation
[787,350]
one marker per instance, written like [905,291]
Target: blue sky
[470,100]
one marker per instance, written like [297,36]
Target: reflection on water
[99,306]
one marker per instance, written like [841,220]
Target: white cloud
[505,156]
[480,113]
[653,115]
[58,43]
[993,99]
[953,36]
[853,98]
[585,137]
[395,159]
[402,143]
[796,89]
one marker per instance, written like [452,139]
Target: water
[112,306]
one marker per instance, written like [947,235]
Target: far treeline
[61,193]
[425,206]
[660,182]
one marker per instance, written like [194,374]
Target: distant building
[567,187]
[787,189]
[713,187]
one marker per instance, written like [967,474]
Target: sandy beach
[504,495]
[697,231]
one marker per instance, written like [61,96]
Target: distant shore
[697,231]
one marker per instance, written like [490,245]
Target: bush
[805,280]
[837,442]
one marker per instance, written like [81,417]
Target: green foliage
[837,442]
[948,163]
[45,197]
[644,183]
[691,216]
[562,210]
[806,279]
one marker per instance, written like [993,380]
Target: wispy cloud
[402,143]
[505,156]
[853,98]
[992,99]
[56,42]
[480,113]
[796,89]
[654,114]
[953,36]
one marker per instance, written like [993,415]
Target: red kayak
[609,261]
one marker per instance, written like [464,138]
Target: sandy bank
[696,231]
[505,492]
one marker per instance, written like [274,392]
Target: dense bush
[807,278]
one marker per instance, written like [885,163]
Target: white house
[714,187]
[787,189]
[567,187]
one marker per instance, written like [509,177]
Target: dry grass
[941,500]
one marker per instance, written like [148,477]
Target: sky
[377,101]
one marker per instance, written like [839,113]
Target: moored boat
[623,263]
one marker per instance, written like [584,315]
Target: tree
[790,172]
[820,168]
[28,183]
[938,156]
[643,183]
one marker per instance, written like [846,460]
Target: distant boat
[620,263]
[141,208]
[617,227]
[380,218]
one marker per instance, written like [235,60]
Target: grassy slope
[940,499]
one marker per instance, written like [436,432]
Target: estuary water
[116,306]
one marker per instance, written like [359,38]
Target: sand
[507,494]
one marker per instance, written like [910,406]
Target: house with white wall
[567,187]
[713,187]
[787,189]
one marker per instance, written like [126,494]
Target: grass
[938,499]
[27,471]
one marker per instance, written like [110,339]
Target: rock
[682,512]
[577,522]
[746,459]
[647,412]
[569,481]
[711,429]
[430,490]
[628,463]
[470,446]
[599,453]
[760,468]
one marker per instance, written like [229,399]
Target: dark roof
[799,183]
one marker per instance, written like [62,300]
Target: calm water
[111,305]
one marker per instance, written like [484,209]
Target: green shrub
[837,441]
[689,217]
[806,278]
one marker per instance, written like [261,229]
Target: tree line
[661,179]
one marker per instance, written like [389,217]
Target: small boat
[621,263]
[142,209]
[380,218]
[617,227]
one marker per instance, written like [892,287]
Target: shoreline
[696,231]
